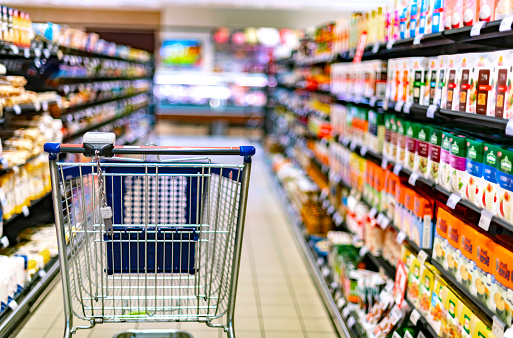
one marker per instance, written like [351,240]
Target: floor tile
[275,323]
[281,334]
[322,324]
[32,333]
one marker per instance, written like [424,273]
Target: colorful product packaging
[444,218]
[453,306]
[376,131]
[502,9]
[394,139]
[414,17]
[401,141]
[484,284]
[399,202]
[459,177]
[427,281]
[435,142]
[448,14]
[392,181]
[457,14]
[440,83]
[465,321]
[503,296]
[407,211]
[432,81]
[467,264]
[418,79]
[465,84]
[484,82]
[450,92]
[445,161]
[437,24]
[470,15]
[454,240]
[421,229]
[475,151]
[387,143]
[411,146]
[489,184]
[502,95]
[422,161]
[437,313]
[413,289]
[505,180]
[486,10]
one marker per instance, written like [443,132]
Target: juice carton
[401,141]
[376,131]
[421,232]
[393,180]
[413,289]
[448,13]
[435,142]
[457,14]
[467,265]
[486,10]
[408,216]
[445,161]
[465,83]
[459,177]
[422,162]
[414,17]
[470,15]
[489,183]
[388,137]
[437,24]
[503,297]
[444,218]
[432,81]
[404,18]
[427,281]
[451,89]
[475,151]
[438,314]
[502,9]
[399,202]
[418,75]
[502,91]
[454,239]
[411,146]
[440,82]
[484,284]
[505,180]
[484,82]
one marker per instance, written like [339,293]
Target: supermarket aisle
[276,296]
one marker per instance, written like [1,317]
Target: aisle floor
[276,296]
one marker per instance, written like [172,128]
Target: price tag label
[37,52]
[509,127]
[352,146]
[373,212]
[476,28]
[17,109]
[26,52]
[415,316]
[341,302]
[25,211]
[15,49]
[363,251]
[485,220]
[453,200]
[506,24]
[346,312]
[37,106]
[325,204]
[498,327]
[337,294]
[13,305]
[3,198]
[351,322]
[390,43]
[431,111]
[65,89]
[399,106]
[338,219]
[325,271]
[363,151]
[41,273]
[372,101]
[413,178]
[44,105]
[346,141]
[324,194]
[384,223]
[4,241]
[331,210]
[397,169]
[320,261]
[384,163]
[422,256]
[46,53]
[407,107]
[375,48]
[401,236]
[416,40]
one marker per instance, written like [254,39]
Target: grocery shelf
[90,104]
[9,318]
[41,106]
[422,322]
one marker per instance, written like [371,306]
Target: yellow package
[426,288]
[451,329]
[465,320]
[437,314]
[413,290]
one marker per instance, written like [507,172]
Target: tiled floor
[276,297]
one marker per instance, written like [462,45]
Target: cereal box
[503,296]
[466,257]
[459,177]
[484,284]
[435,141]
[422,162]
[411,146]
[445,161]
[489,184]
[440,241]
[475,151]
[505,180]
[454,239]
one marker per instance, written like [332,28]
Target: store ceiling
[343,5]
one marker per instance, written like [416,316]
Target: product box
[502,91]
[453,306]
[457,14]
[408,216]
[394,138]
[444,218]
[450,91]
[435,142]
[475,151]
[376,131]
[414,17]
[437,24]
[404,78]
[422,161]
[503,297]
[486,10]
[432,81]
[399,202]
[467,264]
[445,161]
[413,289]
[422,228]
[470,15]
[437,313]
[465,321]
[454,241]
[387,142]
[459,177]
[404,18]
[448,13]
[489,183]
[411,137]
[379,185]
[464,79]
[502,9]
[401,141]
[427,281]
[484,81]
[426,13]
[484,284]
[418,74]
[392,181]
[505,180]
[440,82]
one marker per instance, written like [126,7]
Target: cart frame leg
[238,246]
[63,252]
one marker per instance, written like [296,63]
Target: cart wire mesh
[169,253]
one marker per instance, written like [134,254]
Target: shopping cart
[148,241]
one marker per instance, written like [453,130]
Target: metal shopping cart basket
[148,241]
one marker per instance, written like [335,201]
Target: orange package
[484,284]
[454,239]
[409,196]
[466,262]
[440,243]
[421,231]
